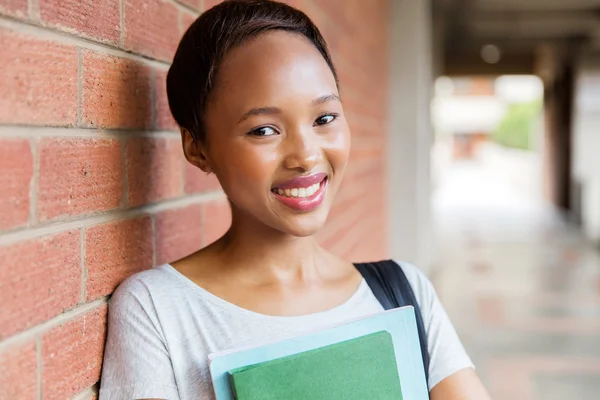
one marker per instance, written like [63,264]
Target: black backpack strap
[392,289]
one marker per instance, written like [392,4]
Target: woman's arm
[136,360]
[462,385]
[452,374]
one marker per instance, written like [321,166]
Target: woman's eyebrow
[275,110]
[259,111]
[325,99]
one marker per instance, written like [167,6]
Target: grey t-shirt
[162,327]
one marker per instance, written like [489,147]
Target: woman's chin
[304,225]
[302,233]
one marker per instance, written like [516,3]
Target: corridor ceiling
[517,28]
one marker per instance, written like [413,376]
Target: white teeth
[299,192]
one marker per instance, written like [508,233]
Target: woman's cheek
[338,148]
[252,166]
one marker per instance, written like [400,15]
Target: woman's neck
[260,253]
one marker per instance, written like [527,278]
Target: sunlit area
[515,191]
[516,275]
[487,153]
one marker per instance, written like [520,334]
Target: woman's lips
[301,181]
[306,194]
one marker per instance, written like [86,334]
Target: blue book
[400,323]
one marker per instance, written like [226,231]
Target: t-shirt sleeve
[136,360]
[446,352]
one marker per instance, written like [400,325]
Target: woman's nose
[302,150]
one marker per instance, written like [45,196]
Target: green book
[356,369]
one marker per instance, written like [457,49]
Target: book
[400,323]
[355,369]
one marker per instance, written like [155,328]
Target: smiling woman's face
[277,138]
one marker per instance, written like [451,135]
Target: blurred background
[515,186]
[476,138]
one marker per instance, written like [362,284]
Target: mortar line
[180,20]
[21,131]
[22,234]
[182,6]
[36,332]
[48,34]
[34,10]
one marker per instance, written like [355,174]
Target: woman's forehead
[271,67]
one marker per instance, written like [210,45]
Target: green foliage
[514,130]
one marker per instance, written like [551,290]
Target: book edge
[217,354]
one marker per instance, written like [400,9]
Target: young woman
[255,92]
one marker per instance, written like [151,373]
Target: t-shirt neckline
[234,308]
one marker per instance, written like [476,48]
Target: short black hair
[191,76]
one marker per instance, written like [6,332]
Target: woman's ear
[195,152]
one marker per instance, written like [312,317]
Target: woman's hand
[462,385]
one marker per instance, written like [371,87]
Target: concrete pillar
[410,132]
[586,143]
[591,210]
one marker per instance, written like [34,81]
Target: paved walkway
[522,288]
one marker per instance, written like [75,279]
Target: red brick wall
[94,186]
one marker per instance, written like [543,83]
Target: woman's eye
[325,119]
[263,131]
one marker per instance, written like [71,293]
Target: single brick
[39,279]
[208,4]
[300,4]
[16,172]
[114,251]
[154,169]
[216,220]
[18,8]
[38,83]
[18,372]
[72,355]
[116,92]
[178,233]
[198,181]
[90,18]
[78,176]
[164,119]
[151,28]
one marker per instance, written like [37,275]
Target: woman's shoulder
[143,286]
[421,285]
[416,277]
